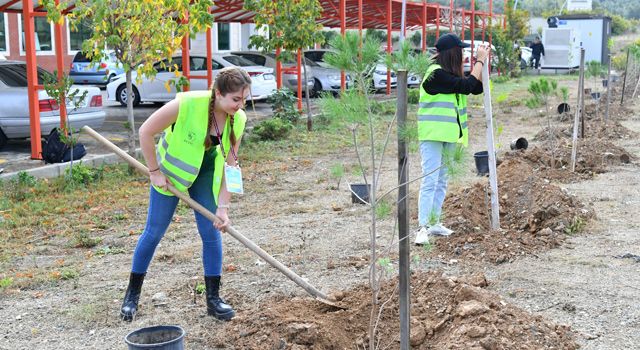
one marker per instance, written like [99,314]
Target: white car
[14,105]
[380,77]
[263,82]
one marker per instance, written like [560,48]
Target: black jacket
[443,82]
[537,49]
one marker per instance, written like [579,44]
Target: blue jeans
[161,210]
[434,183]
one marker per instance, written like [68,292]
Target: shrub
[82,175]
[283,105]
[619,62]
[272,129]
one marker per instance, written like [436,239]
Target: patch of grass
[83,239]
[577,225]
[383,210]
[85,313]
[54,208]
[5,282]
[69,273]
[200,288]
[109,251]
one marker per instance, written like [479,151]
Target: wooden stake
[493,175]
[576,120]
[606,115]
[624,80]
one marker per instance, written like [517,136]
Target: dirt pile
[446,313]
[613,130]
[534,215]
[594,156]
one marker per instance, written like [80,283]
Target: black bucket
[519,143]
[361,191]
[482,162]
[563,108]
[156,338]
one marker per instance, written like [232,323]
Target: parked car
[325,78]
[263,82]
[379,75]
[289,73]
[14,105]
[83,71]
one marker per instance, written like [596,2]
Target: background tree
[141,33]
[292,26]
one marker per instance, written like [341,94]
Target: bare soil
[536,215]
[447,313]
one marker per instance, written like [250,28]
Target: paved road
[16,155]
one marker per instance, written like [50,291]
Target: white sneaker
[439,230]
[422,237]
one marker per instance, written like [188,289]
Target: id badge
[233,179]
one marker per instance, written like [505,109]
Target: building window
[3,32]
[223,37]
[44,34]
[78,35]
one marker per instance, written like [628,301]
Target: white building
[226,37]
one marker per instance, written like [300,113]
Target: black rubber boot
[215,305]
[131,297]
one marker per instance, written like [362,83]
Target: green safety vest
[442,117]
[181,148]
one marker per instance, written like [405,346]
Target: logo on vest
[190,137]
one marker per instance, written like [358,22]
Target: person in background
[537,50]
[442,126]
[202,131]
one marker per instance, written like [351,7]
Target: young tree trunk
[132,125]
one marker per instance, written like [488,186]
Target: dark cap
[449,41]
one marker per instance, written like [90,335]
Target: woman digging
[197,153]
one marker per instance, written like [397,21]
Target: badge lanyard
[232,174]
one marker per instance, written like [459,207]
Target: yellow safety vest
[442,117]
[180,149]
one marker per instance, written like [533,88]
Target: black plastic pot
[156,338]
[519,143]
[360,193]
[605,82]
[595,95]
[563,108]
[482,162]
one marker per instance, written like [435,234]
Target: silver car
[325,78]
[289,74]
[14,105]
[83,71]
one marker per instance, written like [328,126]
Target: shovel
[318,295]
